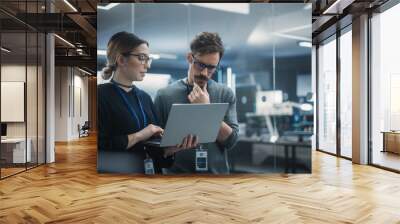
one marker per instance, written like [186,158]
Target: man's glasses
[201,66]
[143,58]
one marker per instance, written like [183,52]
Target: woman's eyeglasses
[143,58]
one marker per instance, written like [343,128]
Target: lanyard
[130,108]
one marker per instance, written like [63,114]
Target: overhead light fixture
[108,7]
[163,56]
[307,6]
[5,50]
[274,138]
[101,52]
[241,8]
[155,56]
[293,37]
[79,51]
[306,107]
[258,37]
[305,44]
[84,71]
[333,6]
[338,6]
[296,28]
[64,40]
[168,56]
[70,5]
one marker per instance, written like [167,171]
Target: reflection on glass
[32,101]
[385,89]
[327,96]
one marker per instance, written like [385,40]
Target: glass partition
[14,145]
[22,89]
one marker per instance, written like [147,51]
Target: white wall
[70,83]
[61,103]
[79,117]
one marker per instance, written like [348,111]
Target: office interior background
[48,87]
[39,108]
[267,66]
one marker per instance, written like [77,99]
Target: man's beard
[200,79]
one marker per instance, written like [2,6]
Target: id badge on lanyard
[148,165]
[201,159]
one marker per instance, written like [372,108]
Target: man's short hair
[207,43]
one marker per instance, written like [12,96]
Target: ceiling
[76,25]
[166,27]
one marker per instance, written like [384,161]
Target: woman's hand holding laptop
[189,142]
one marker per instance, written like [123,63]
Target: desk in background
[13,150]
[302,135]
[255,156]
[391,141]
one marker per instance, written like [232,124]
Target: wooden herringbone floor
[70,191]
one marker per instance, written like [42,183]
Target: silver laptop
[202,120]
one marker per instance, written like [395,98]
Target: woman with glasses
[126,113]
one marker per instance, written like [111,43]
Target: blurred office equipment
[303,85]
[245,100]
[268,117]
[83,131]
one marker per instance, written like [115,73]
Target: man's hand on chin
[198,94]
